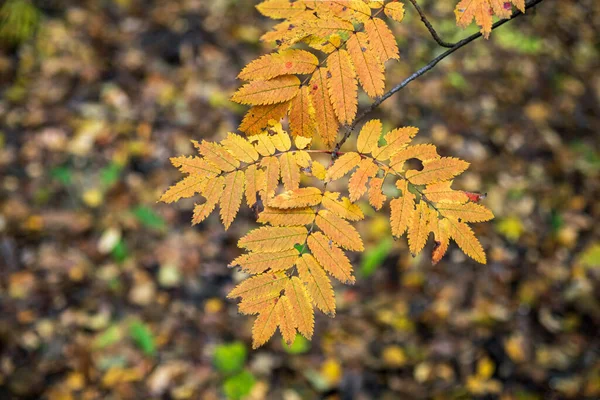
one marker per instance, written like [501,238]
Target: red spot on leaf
[475,197]
[507,5]
[288,64]
[315,87]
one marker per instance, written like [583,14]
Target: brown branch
[434,34]
[421,72]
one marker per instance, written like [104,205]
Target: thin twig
[434,34]
[422,71]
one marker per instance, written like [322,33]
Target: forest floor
[105,294]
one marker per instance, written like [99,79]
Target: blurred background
[105,294]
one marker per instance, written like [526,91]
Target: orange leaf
[325,118]
[212,193]
[277,90]
[342,86]
[369,136]
[303,197]
[286,62]
[318,283]
[357,185]
[402,209]
[369,69]
[255,263]
[331,257]
[231,197]
[339,230]
[381,39]
[302,308]
[344,164]
[258,117]
[273,239]
[302,115]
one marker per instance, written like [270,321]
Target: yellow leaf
[240,148]
[212,193]
[369,68]
[290,172]
[319,286]
[285,319]
[286,62]
[277,90]
[265,325]
[468,212]
[303,159]
[396,140]
[302,142]
[231,198]
[322,28]
[287,33]
[263,144]
[433,171]
[466,240]
[331,257]
[402,209]
[423,152]
[255,263]
[253,306]
[187,187]
[271,165]
[342,208]
[260,286]
[280,139]
[439,227]
[217,155]
[302,114]
[442,191]
[255,182]
[293,217]
[273,239]
[339,230]
[376,196]
[342,86]
[258,117]
[195,165]
[357,185]
[344,164]
[302,308]
[303,197]
[483,11]
[280,9]
[394,10]
[348,9]
[381,39]
[325,118]
[318,170]
[418,228]
[369,136]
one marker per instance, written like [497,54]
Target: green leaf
[301,345]
[239,385]
[230,357]
[590,258]
[110,336]
[119,252]
[375,256]
[301,248]
[149,218]
[110,175]
[143,338]
[62,174]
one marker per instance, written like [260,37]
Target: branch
[434,34]
[422,71]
